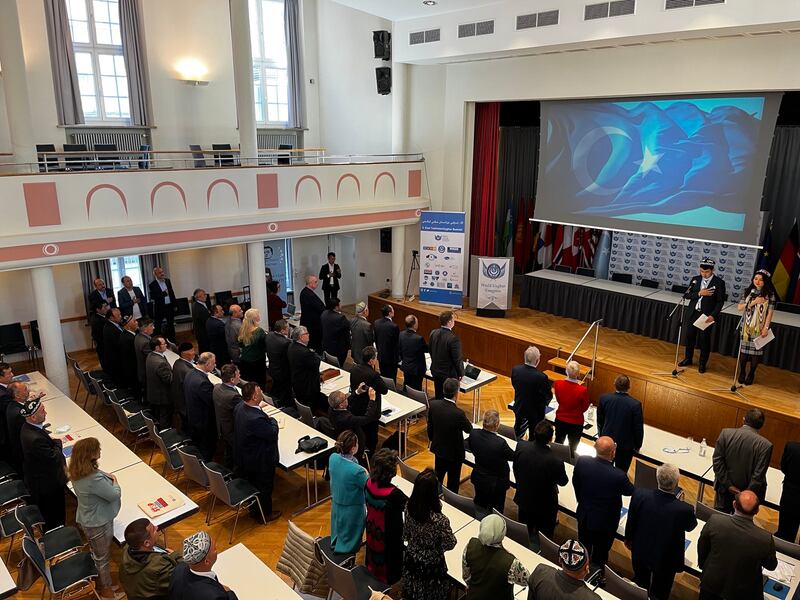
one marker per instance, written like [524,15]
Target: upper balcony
[80,206]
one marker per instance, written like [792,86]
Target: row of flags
[786,269]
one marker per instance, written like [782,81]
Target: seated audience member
[549,583]
[490,476]
[789,515]
[226,398]
[193,579]
[198,391]
[599,488]
[446,425]
[366,373]
[573,400]
[538,472]
[427,536]
[335,331]
[489,570]
[277,344]
[385,506]
[532,392]
[342,418]
[146,567]
[232,328]
[252,341]
[348,479]
[304,366]
[215,330]
[275,304]
[619,416]
[654,532]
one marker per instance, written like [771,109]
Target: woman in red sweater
[573,400]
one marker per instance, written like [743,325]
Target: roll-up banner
[494,281]
[441,273]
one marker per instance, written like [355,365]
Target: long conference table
[644,311]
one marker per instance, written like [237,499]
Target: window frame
[262,65]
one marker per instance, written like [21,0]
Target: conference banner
[494,280]
[441,273]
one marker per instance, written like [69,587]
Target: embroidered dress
[424,568]
[753,320]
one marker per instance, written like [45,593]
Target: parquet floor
[266,541]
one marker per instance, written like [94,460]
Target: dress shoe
[701,368]
[274,515]
[685,363]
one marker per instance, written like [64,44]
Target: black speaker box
[386,239]
[382,40]
[383,77]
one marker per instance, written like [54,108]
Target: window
[125,265]
[270,80]
[97,43]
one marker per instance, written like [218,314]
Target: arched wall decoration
[103,186]
[301,180]
[216,182]
[170,184]
[345,176]
[378,178]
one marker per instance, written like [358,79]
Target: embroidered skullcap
[361,307]
[29,407]
[708,263]
[196,547]
[572,555]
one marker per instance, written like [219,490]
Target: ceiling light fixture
[429,2]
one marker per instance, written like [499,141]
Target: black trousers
[329,294]
[451,468]
[696,337]
[657,581]
[281,391]
[490,491]
[168,329]
[526,419]
[53,506]
[264,482]
[706,595]
[723,501]
[569,431]
[789,517]
[598,543]
[413,381]
[438,382]
[162,415]
[254,371]
[539,519]
[623,458]
[388,369]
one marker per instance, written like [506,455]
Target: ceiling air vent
[548,17]
[621,7]
[595,11]
[603,10]
[466,30]
[526,21]
[432,35]
[484,28]
[670,4]
[416,37]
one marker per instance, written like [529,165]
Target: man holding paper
[706,295]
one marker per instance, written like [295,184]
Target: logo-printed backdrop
[673,261]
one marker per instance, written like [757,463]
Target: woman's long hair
[249,326]
[767,290]
[424,500]
[83,462]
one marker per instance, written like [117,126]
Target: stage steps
[561,363]
[555,375]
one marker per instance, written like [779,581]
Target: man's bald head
[605,447]
[746,503]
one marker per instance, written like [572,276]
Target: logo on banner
[493,270]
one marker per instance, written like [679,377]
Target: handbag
[310,444]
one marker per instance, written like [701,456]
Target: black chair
[585,272]
[223,160]
[76,162]
[183,313]
[645,476]
[144,161]
[132,423]
[407,472]
[48,164]
[462,503]
[548,548]
[12,340]
[788,307]
[56,542]
[562,451]
[352,584]
[622,277]
[234,493]
[787,548]
[36,343]
[105,161]
[66,576]
[620,587]
[563,268]
[649,283]
[704,512]
[224,298]
[515,530]
[285,158]
[678,288]
[198,155]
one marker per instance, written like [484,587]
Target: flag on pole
[508,236]
[586,241]
[603,255]
[786,271]
[765,255]
[543,246]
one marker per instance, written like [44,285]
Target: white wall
[213,269]
[426,122]
[5,133]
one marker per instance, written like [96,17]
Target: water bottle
[703,447]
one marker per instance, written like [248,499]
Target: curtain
[148,262]
[294,56]
[484,179]
[132,30]
[516,184]
[62,62]
[782,185]
[91,270]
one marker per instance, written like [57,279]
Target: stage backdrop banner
[494,280]
[441,276]
[673,261]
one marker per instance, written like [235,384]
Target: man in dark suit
[43,464]
[97,323]
[101,294]
[304,369]
[335,331]
[215,331]
[366,374]
[6,398]
[539,472]
[226,398]
[135,305]
[789,515]
[741,460]
[733,550]
[163,298]
[532,392]
[446,425]
[599,488]
[198,391]
[127,358]
[256,450]
[412,349]
[362,334]
[14,420]
[387,335]
[158,375]
[706,294]
[655,531]
[446,358]
[342,418]
[619,416]
[311,308]
[141,345]
[180,369]
[200,315]
[193,578]
[278,343]
[111,332]
[329,275]
[490,475]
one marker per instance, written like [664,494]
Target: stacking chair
[76,162]
[407,472]
[620,587]
[704,512]
[198,156]
[6,472]
[649,283]
[563,268]
[548,548]
[507,431]
[299,562]
[223,160]
[462,503]
[48,164]
[419,395]
[107,161]
[67,576]
[234,493]
[54,543]
[131,424]
[679,289]
[144,161]
[306,416]
[12,492]
[351,584]
[622,277]
[9,528]
[515,530]
[787,548]
[193,467]
[389,383]
[12,340]
[331,359]
[586,272]
[645,476]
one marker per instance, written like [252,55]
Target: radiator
[272,139]
[125,139]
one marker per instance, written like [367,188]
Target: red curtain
[484,178]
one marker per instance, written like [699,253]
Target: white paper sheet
[760,342]
[701,322]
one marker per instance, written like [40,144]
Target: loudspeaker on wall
[383,77]
[386,239]
[382,40]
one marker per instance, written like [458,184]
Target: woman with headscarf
[348,478]
[757,306]
[489,570]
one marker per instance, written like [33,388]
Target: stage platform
[686,405]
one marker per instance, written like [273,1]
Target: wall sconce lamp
[192,72]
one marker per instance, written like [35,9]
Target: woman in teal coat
[348,504]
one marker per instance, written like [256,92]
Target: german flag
[787,270]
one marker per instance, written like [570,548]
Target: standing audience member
[489,570]
[232,328]
[385,506]
[538,472]
[619,416]
[348,479]
[412,349]
[531,392]
[741,460]
[304,368]
[163,297]
[335,331]
[733,552]
[275,304]
[573,400]
[193,579]
[200,314]
[198,391]
[6,398]
[549,583]
[427,536]
[446,425]
[158,375]
[387,335]
[141,344]
[180,369]
[343,419]
[256,450]
[111,332]
[98,495]
[277,345]
[101,293]
[365,373]
[252,341]
[14,420]
[599,488]
[789,515]
[215,330]
[446,358]
[129,377]
[654,532]
[97,323]
[329,275]
[362,334]
[311,308]
[43,465]
[490,476]
[226,398]
[146,567]
[132,302]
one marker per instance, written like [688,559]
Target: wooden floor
[266,541]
